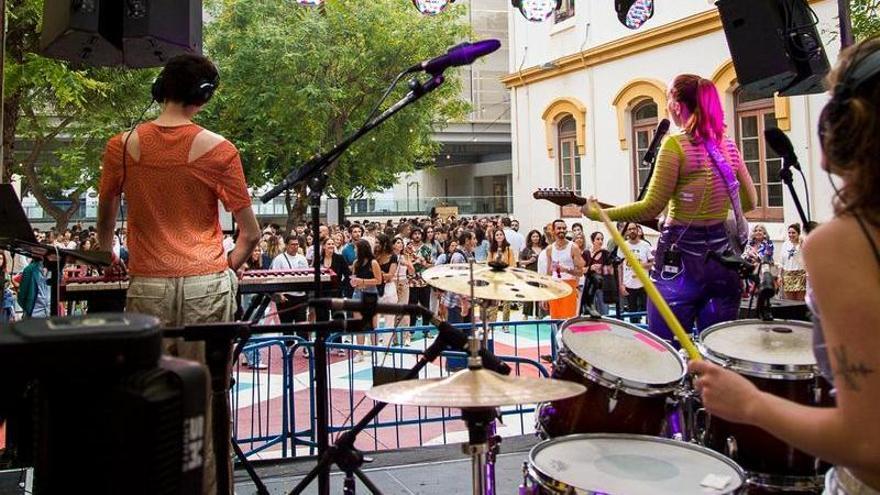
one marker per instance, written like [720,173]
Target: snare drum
[630,376]
[597,464]
[777,356]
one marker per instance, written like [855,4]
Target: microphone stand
[788,178]
[315,172]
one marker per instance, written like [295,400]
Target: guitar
[564,197]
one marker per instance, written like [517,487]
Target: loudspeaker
[83,32]
[775,46]
[156,30]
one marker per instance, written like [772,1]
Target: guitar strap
[739,231]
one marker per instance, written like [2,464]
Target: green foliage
[296,80]
[865,18]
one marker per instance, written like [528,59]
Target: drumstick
[650,288]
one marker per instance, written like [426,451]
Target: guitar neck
[564,197]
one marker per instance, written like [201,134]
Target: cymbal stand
[480,422]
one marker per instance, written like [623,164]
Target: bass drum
[631,378]
[606,464]
[777,356]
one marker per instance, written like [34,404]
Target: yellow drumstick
[650,288]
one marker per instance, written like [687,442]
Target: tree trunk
[297,202]
[10,125]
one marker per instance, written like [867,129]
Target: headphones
[856,76]
[199,94]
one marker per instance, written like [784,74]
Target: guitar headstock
[561,197]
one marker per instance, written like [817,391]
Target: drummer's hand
[725,393]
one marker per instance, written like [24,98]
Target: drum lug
[701,425]
[817,392]
[731,447]
[612,401]
[524,488]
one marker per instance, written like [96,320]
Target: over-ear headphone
[857,75]
[199,94]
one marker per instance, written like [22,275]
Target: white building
[586,94]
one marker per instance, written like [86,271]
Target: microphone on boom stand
[779,143]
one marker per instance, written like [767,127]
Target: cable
[807,197]
[384,97]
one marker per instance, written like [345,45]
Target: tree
[57,119]
[865,18]
[297,80]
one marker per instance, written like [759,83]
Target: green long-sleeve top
[685,179]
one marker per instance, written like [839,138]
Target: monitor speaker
[156,30]
[82,32]
[775,46]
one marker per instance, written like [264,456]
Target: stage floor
[440,470]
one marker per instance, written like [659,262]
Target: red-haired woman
[698,173]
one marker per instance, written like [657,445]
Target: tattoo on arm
[852,373]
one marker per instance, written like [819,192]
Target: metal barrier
[273,409]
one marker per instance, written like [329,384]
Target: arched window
[569,161]
[644,123]
[753,116]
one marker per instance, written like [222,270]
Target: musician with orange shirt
[173,174]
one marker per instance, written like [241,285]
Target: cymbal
[509,284]
[475,389]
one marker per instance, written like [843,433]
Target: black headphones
[199,94]
[856,76]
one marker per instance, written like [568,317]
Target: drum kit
[619,415]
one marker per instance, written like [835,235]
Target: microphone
[768,280]
[651,154]
[458,55]
[779,142]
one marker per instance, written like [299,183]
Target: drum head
[623,350]
[749,344]
[632,465]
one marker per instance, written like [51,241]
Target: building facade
[587,94]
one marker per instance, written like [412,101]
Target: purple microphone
[458,55]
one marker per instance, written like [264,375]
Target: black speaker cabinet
[83,32]
[156,30]
[774,48]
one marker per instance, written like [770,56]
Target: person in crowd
[598,262]
[516,240]
[174,173]
[631,287]
[252,358]
[7,295]
[405,270]
[431,240]
[528,259]
[843,293]
[514,224]
[458,307]
[331,259]
[388,262]
[563,261]
[500,252]
[349,252]
[324,233]
[792,273]
[366,278]
[371,230]
[481,251]
[291,305]
[420,255]
[696,172]
[760,246]
[576,228]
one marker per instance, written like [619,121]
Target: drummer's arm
[848,434]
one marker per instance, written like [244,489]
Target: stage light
[537,10]
[431,7]
[310,3]
[634,13]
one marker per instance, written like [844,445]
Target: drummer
[691,179]
[844,295]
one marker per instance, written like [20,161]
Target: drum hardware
[731,447]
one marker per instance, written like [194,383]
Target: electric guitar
[564,197]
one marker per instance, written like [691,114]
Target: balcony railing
[397,207]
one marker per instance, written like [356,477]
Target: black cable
[384,96]
[807,197]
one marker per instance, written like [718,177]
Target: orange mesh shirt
[173,216]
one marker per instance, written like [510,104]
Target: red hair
[700,97]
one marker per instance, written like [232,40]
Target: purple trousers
[703,292]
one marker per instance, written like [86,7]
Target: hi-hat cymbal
[509,284]
[475,389]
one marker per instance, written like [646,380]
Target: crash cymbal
[508,284]
[475,389]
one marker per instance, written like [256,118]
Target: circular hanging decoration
[633,14]
[431,7]
[538,10]
[310,3]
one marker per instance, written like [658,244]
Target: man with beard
[564,261]
[420,254]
